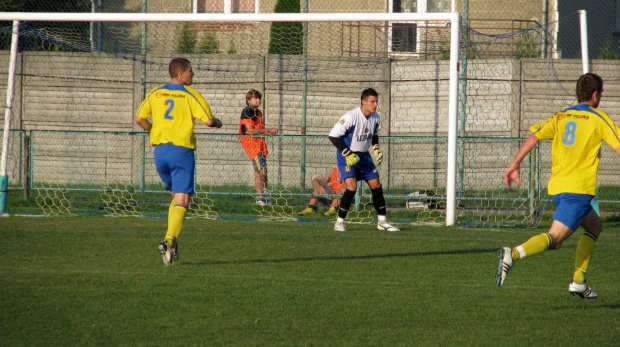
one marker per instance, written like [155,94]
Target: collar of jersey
[174,86]
[581,107]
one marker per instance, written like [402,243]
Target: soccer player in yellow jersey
[174,107]
[577,134]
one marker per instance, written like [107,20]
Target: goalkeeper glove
[350,157]
[378,154]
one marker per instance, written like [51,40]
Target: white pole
[455,26]
[585,66]
[583,28]
[8,112]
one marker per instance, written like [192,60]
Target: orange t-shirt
[334,180]
[252,145]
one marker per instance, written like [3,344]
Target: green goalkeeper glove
[350,157]
[378,154]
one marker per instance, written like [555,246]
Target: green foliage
[187,38]
[607,53]
[527,46]
[471,52]
[208,44]
[286,37]
[101,281]
[232,49]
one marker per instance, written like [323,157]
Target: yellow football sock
[535,245]
[582,256]
[176,219]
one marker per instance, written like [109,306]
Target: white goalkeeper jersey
[356,130]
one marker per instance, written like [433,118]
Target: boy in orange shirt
[251,123]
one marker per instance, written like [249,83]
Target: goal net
[76,150]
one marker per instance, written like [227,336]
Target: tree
[209,44]
[286,37]
[606,52]
[187,39]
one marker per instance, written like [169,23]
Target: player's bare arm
[251,130]
[319,185]
[214,123]
[143,123]
[512,173]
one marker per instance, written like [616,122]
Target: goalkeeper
[174,107]
[353,135]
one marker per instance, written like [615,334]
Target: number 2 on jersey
[170,104]
[569,135]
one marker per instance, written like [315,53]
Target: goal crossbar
[453,18]
[226,17]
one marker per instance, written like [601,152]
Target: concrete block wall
[79,92]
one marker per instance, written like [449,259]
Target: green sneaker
[331,211]
[307,210]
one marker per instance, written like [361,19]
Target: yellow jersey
[174,107]
[577,133]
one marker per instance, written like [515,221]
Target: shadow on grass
[350,257]
[600,302]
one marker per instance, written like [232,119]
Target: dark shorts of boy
[259,162]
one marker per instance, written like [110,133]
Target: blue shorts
[364,170]
[175,166]
[259,162]
[571,208]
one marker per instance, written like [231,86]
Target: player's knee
[594,228]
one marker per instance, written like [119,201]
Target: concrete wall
[81,92]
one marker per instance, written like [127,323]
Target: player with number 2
[174,107]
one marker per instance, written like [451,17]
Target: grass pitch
[101,281]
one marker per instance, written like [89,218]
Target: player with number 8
[577,134]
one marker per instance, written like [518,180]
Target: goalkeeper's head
[369,92]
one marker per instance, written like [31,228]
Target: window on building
[404,36]
[225,6]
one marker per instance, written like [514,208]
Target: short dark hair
[369,92]
[587,84]
[176,65]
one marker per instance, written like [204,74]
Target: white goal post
[453,18]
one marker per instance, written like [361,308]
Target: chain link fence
[76,149]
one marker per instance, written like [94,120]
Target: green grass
[100,281]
